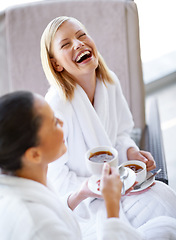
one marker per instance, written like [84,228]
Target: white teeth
[81,55]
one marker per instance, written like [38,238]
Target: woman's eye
[64,45]
[83,34]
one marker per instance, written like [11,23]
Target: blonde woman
[87,96]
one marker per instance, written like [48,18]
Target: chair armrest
[152,140]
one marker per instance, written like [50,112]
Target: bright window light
[157,20]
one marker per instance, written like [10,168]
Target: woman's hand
[77,197]
[146,157]
[111,190]
[85,192]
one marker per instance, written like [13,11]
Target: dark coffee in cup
[134,167]
[101,156]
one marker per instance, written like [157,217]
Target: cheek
[59,55]
[92,43]
[95,51]
[60,145]
[60,135]
[65,59]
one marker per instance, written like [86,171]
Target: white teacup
[138,167]
[95,165]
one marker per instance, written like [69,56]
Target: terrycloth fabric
[159,200]
[31,211]
[109,122]
[160,228]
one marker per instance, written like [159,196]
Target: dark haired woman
[30,138]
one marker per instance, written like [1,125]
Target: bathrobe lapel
[93,129]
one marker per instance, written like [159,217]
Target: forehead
[41,107]
[69,26]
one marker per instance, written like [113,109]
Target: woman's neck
[37,174]
[88,83]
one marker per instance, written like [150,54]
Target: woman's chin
[62,152]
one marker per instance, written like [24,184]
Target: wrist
[112,208]
[112,205]
[130,152]
[75,199]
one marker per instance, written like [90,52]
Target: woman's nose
[60,122]
[77,44]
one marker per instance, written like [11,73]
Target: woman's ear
[56,66]
[33,155]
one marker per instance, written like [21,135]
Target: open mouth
[83,56]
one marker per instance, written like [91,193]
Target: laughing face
[74,50]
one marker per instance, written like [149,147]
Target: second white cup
[138,167]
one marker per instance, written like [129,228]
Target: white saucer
[146,184]
[94,182]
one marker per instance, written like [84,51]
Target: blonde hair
[62,80]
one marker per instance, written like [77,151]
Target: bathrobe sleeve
[114,228]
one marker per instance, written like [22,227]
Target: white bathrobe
[31,211]
[109,122]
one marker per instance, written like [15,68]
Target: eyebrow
[63,40]
[78,31]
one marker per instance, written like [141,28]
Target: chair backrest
[112,24]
